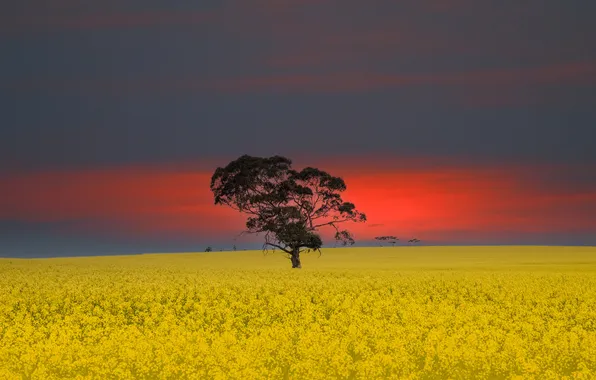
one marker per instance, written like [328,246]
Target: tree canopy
[287,206]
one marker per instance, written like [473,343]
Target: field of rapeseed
[403,313]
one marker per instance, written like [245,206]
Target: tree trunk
[296,258]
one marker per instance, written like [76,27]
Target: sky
[452,121]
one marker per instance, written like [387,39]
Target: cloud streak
[490,88]
[103,20]
[581,73]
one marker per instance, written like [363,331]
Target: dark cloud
[85,131]
[133,83]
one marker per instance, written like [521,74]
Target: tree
[288,206]
[208,249]
[391,239]
[413,241]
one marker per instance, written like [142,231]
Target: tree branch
[332,223]
[268,242]
[278,246]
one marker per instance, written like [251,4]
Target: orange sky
[424,202]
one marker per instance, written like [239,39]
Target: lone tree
[413,241]
[391,239]
[288,206]
[208,249]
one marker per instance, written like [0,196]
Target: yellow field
[363,313]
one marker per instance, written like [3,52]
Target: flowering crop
[481,313]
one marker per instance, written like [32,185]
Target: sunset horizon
[453,122]
[169,207]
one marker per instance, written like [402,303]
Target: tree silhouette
[413,241]
[208,249]
[391,239]
[289,207]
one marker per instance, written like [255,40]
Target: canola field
[353,313]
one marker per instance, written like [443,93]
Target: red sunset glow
[426,203]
